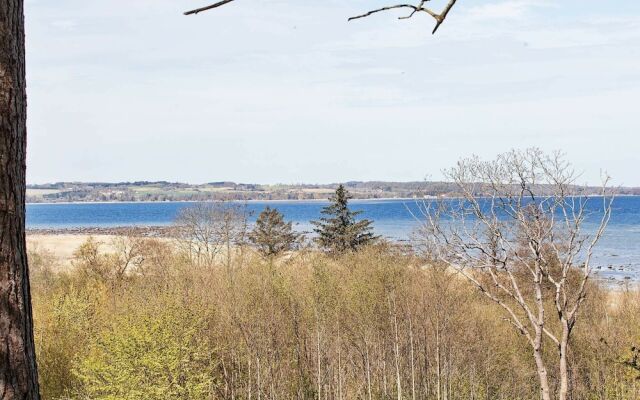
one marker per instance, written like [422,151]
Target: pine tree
[271,234]
[339,231]
[18,368]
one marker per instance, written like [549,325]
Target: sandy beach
[63,246]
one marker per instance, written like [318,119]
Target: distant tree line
[176,191]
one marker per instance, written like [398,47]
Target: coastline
[112,219]
[64,241]
[357,199]
[134,230]
[366,199]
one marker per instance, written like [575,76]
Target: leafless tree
[112,267]
[197,233]
[128,255]
[517,233]
[233,230]
[206,230]
[419,7]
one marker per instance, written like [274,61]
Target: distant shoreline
[363,199]
[234,201]
[162,191]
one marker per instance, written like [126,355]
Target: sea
[616,258]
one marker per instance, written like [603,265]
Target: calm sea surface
[618,253]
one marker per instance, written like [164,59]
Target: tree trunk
[368,367]
[545,393]
[564,367]
[319,375]
[413,368]
[438,366]
[18,372]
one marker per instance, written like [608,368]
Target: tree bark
[18,372]
[564,367]
[545,392]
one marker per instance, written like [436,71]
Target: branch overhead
[439,17]
[414,9]
[387,8]
[209,7]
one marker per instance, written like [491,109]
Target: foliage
[271,234]
[66,321]
[158,353]
[339,231]
[377,323]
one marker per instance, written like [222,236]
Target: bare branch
[443,15]
[521,214]
[387,8]
[209,7]
[414,9]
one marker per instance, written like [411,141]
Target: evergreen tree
[339,231]
[271,234]
[18,368]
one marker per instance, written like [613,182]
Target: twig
[209,7]
[411,6]
[415,9]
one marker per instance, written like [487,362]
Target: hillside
[176,191]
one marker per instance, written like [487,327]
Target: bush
[156,353]
[376,322]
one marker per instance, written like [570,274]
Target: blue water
[618,253]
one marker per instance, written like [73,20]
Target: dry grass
[62,247]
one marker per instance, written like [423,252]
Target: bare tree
[420,7]
[233,230]
[18,372]
[517,233]
[197,232]
[128,255]
[205,230]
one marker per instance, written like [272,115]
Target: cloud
[617,32]
[264,94]
[64,24]
[512,9]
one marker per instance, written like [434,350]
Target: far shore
[357,199]
[235,201]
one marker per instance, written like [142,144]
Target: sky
[284,91]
